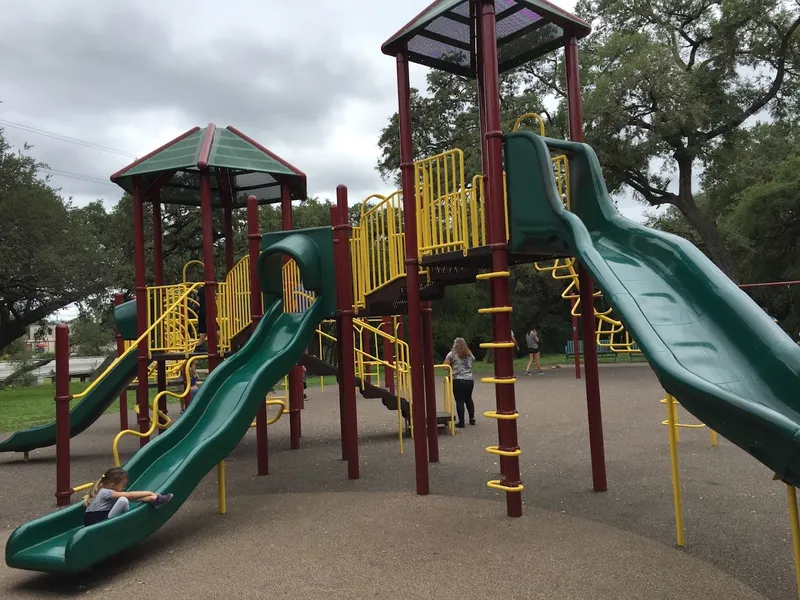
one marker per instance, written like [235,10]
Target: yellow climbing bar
[498,345]
[492,275]
[493,414]
[496,450]
[496,484]
[495,309]
[501,381]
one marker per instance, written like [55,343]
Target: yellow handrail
[449,398]
[186,267]
[440,203]
[529,115]
[135,344]
[154,411]
[233,302]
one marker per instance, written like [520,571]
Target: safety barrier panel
[233,303]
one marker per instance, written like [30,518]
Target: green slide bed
[710,345]
[217,419]
[94,404]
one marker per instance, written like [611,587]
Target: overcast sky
[306,78]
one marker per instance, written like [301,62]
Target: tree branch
[770,94]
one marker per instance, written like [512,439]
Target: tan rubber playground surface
[304,531]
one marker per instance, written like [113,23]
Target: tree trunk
[706,227]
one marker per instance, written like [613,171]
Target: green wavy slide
[92,406]
[218,418]
[710,345]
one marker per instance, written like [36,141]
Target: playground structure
[712,348]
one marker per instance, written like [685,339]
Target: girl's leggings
[462,391]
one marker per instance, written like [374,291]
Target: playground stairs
[315,366]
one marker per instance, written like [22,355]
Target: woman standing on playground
[532,340]
[460,360]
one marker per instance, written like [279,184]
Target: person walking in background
[460,359]
[532,340]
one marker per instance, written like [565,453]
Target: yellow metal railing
[442,222]
[233,303]
[179,302]
[296,298]
[447,395]
[380,255]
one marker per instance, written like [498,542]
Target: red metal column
[63,489]
[412,278]
[158,279]
[388,354]
[344,304]
[599,480]
[366,345]
[254,249]
[295,373]
[430,383]
[142,388]
[494,205]
[209,275]
[576,344]
[123,396]
[227,216]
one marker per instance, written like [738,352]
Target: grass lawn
[21,408]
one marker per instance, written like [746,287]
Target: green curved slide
[209,430]
[710,345]
[93,405]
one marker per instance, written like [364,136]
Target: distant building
[40,338]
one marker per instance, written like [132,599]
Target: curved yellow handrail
[154,417]
[186,266]
[529,115]
[284,410]
[136,342]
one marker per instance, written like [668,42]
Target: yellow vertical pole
[223,508]
[792,493]
[674,404]
[25,456]
[713,437]
[676,478]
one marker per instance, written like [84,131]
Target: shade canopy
[443,35]
[238,167]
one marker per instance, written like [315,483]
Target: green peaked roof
[238,166]
[442,36]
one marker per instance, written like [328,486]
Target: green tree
[667,83]
[51,256]
[91,334]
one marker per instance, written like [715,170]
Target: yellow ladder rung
[508,381]
[492,275]
[498,345]
[496,450]
[493,414]
[495,309]
[496,485]
[687,425]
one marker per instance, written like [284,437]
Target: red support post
[295,373]
[430,383]
[256,309]
[123,396]
[599,481]
[388,354]
[344,305]
[576,344]
[494,206]
[366,345]
[158,279]
[209,274]
[142,388]
[62,398]
[227,218]
[412,278]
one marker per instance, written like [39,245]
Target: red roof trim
[247,138]
[205,149]
[138,161]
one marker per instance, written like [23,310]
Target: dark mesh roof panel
[441,36]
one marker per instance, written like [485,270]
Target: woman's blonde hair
[460,348]
[111,477]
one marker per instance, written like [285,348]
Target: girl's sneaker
[527,372]
[161,500]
